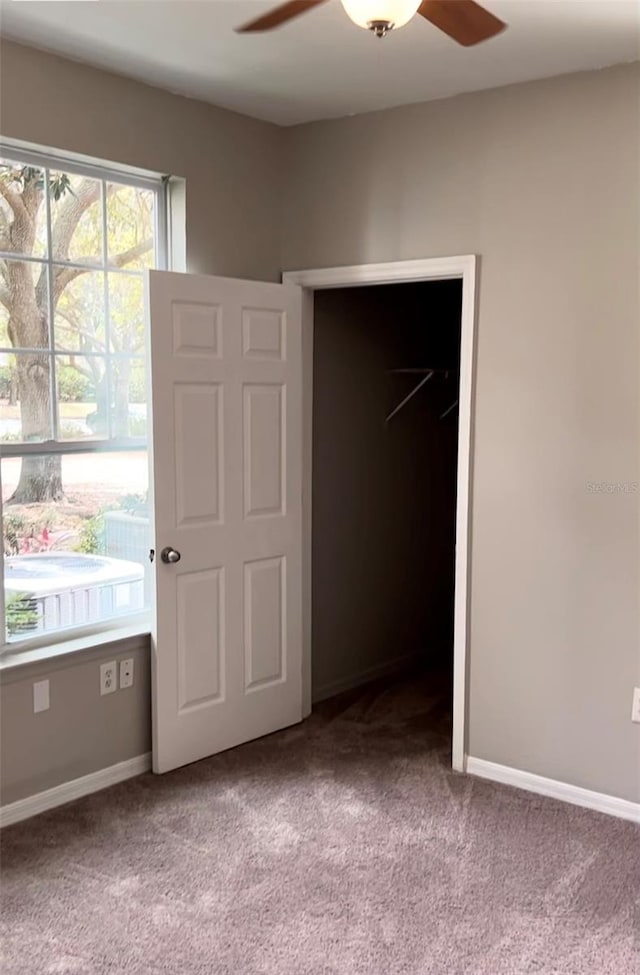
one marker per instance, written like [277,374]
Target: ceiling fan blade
[465,21]
[279,15]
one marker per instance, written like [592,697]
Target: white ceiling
[321,65]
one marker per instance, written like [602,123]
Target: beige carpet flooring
[343,846]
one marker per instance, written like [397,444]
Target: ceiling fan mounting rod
[380,27]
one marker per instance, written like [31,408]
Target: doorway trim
[396,272]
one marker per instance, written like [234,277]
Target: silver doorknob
[170,555]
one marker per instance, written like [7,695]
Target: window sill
[84,646]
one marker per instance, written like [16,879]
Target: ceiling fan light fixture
[381,16]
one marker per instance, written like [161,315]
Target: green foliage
[19,527]
[137,387]
[73,387]
[14,527]
[92,533]
[92,536]
[104,362]
[134,504]
[6,378]
[72,431]
[59,184]
[137,426]
[20,614]
[24,176]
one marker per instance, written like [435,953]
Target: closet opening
[386,378]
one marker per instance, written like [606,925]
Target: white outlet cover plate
[41,696]
[635,708]
[126,672]
[108,678]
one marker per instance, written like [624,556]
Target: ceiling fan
[463,20]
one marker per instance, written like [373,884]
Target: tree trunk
[40,477]
[40,480]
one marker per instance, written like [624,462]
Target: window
[74,244]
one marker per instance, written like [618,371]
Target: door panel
[196,329]
[264,631]
[199,463]
[263,333]
[200,644]
[227,457]
[264,454]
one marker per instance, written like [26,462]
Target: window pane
[24,184]
[80,312]
[24,311]
[130,226]
[129,397]
[25,397]
[75,525]
[126,311]
[77,552]
[76,219]
[82,384]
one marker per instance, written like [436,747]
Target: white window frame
[106,173]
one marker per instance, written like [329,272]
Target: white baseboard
[75,789]
[387,669]
[623,808]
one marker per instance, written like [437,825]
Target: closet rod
[413,392]
[448,410]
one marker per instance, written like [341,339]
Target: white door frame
[395,272]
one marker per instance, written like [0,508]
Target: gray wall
[383,494]
[541,181]
[232,170]
[231,164]
[82,731]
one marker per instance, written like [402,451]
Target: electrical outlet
[41,696]
[635,707]
[126,673]
[108,680]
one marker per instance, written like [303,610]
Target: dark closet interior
[384,487]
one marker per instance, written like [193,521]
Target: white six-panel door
[226,374]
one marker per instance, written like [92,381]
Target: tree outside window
[73,249]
